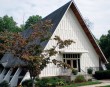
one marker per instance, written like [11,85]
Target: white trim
[71,58]
[90,32]
[70,51]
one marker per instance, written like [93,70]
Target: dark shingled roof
[57,15]
[11,61]
[55,18]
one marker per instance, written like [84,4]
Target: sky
[97,11]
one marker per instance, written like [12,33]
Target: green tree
[104,43]
[32,20]
[8,24]
[1,24]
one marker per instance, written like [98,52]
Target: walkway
[104,83]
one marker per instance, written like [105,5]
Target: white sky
[97,11]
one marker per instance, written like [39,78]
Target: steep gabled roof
[56,17]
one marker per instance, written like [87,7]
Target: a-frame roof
[56,17]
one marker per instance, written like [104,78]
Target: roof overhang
[74,51]
[88,32]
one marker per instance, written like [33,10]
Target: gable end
[88,33]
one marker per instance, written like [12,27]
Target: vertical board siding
[69,28]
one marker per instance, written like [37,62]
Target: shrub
[4,84]
[60,83]
[102,74]
[108,66]
[45,82]
[50,82]
[75,72]
[89,79]
[79,79]
[42,82]
[27,83]
[90,70]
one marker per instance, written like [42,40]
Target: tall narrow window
[74,63]
[69,62]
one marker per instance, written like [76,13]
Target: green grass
[106,86]
[83,84]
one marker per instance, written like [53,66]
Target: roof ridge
[68,3]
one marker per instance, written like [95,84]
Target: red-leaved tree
[30,48]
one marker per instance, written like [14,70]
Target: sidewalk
[104,83]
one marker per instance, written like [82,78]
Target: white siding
[69,28]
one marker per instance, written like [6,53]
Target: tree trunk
[33,79]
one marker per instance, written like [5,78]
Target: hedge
[102,74]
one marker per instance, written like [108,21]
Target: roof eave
[88,32]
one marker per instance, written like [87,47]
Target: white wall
[69,28]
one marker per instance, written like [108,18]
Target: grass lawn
[84,83]
[106,86]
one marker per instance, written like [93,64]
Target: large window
[72,59]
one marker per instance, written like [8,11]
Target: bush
[42,82]
[75,72]
[108,66]
[79,79]
[45,82]
[51,82]
[60,83]
[27,83]
[102,74]
[90,70]
[4,84]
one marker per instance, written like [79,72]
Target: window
[75,63]
[71,55]
[72,59]
[69,62]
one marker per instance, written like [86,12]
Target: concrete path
[104,83]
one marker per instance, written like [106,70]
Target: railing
[83,71]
